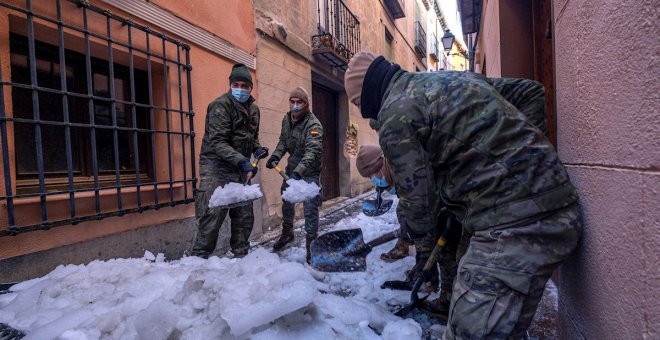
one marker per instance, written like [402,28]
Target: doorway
[324,107]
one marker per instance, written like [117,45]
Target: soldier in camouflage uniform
[528,97]
[452,140]
[231,136]
[302,138]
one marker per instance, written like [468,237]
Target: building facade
[603,117]
[309,44]
[104,105]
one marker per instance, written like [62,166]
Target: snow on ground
[261,296]
[233,193]
[300,191]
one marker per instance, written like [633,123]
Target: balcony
[434,52]
[338,37]
[420,40]
[395,7]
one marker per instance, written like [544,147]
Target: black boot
[308,244]
[286,238]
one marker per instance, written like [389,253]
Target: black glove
[246,167]
[296,176]
[272,161]
[261,152]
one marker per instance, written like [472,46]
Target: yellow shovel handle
[279,171]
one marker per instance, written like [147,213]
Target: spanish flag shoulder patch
[314,132]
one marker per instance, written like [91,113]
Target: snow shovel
[281,172]
[415,300]
[345,250]
[248,179]
[378,206]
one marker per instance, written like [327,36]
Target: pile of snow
[300,191]
[256,297]
[260,296]
[233,193]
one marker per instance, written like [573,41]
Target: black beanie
[240,72]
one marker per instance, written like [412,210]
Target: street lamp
[448,40]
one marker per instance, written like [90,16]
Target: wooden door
[544,60]
[324,107]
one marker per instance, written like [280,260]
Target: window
[389,39]
[51,110]
[96,117]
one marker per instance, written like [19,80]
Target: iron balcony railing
[420,40]
[338,37]
[95,123]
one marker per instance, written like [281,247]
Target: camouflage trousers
[209,221]
[311,209]
[502,276]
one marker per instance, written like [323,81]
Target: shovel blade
[371,208]
[405,310]
[235,204]
[339,251]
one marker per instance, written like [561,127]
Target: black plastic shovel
[345,250]
[378,206]
[415,300]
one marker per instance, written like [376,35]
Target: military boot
[308,244]
[439,308]
[399,251]
[286,238]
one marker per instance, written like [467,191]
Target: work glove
[296,176]
[247,167]
[261,152]
[272,161]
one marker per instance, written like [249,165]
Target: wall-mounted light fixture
[448,40]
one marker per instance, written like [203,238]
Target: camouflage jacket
[451,139]
[527,95]
[231,133]
[303,140]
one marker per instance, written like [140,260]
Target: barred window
[53,136]
[95,116]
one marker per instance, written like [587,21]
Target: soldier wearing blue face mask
[231,137]
[370,164]
[301,137]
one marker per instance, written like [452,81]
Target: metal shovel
[378,206]
[345,250]
[248,179]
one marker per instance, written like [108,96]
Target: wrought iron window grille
[420,40]
[94,108]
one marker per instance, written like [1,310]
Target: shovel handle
[383,239]
[366,248]
[430,262]
[279,171]
[250,174]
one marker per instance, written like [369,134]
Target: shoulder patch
[314,132]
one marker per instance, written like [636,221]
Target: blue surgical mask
[379,182]
[242,95]
[296,107]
